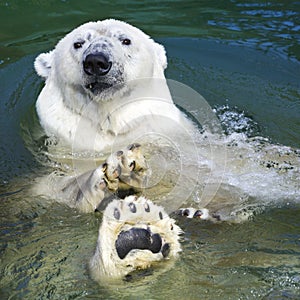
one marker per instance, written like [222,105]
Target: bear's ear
[161,55]
[43,64]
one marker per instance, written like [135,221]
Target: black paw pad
[160,215]
[117,214]
[186,212]
[156,243]
[142,239]
[132,207]
[198,213]
[165,250]
[147,207]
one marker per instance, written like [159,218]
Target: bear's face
[99,58]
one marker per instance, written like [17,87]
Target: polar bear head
[98,58]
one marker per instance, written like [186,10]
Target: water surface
[244,58]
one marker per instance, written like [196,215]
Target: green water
[244,58]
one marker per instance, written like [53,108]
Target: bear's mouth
[97,87]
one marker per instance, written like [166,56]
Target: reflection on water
[250,76]
[268,26]
[253,259]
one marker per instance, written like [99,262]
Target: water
[244,58]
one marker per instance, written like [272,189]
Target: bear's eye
[78,45]
[126,42]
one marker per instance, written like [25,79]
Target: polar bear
[103,81]
[104,88]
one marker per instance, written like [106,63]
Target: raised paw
[124,172]
[202,214]
[132,167]
[134,234]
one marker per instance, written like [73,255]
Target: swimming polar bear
[105,89]
[102,81]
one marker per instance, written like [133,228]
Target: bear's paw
[135,234]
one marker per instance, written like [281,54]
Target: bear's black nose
[96,64]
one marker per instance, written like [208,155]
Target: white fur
[43,64]
[124,169]
[137,103]
[92,122]
[84,192]
[106,263]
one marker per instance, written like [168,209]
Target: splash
[235,121]
[220,163]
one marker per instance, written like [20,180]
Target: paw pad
[134,234]
[203,214]
[132,207]
[117,214]
[147,207]
[137,238]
